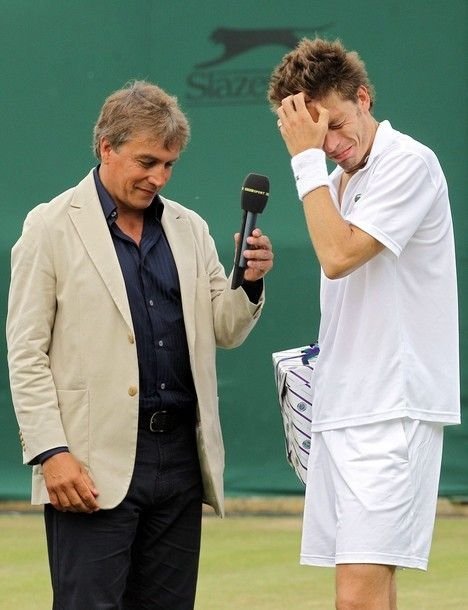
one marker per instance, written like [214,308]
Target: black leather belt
[165,420]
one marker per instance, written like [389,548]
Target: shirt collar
[110,209]
[383,137]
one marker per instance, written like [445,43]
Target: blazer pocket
[74,411]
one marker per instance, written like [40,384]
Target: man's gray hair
[141,108]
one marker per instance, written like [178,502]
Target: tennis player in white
[387,378]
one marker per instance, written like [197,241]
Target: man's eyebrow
[339,118]
[146,156]
[150,159]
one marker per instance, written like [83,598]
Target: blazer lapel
[181,241]
[88,218]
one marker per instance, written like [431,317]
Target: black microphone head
[254,193]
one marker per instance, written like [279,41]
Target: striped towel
[294,381]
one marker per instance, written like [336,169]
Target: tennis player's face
[351,128]
[136,171]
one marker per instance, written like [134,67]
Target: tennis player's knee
[363,587]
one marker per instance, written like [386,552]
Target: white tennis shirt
[389,330]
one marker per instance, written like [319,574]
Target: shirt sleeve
[253,290]
[397,197]
[45,455]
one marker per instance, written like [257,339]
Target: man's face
[351,128]
[135,171]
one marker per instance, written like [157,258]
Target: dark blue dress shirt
[153,292]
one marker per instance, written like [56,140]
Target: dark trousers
[143,554]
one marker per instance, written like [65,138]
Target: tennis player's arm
[341,247]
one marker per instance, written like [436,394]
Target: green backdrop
[59,60]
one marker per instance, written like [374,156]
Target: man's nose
[331,143]
[158,176]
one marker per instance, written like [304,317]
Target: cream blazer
[71,345]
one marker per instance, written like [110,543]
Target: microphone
[254,196]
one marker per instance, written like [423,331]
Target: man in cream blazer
[75,366]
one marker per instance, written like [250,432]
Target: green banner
[59,61]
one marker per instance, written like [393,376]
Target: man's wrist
[310,171]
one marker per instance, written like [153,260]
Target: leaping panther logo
[240,41]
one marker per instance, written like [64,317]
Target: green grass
[24,573]
[251,563]
[247,563]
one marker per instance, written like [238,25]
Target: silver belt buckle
[153,424]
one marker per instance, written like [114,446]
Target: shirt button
[163,386]
[132,390]
[160,343]
[151,302]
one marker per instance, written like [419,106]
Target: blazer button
[132,390]
[131,338]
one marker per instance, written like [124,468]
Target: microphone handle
[240,263]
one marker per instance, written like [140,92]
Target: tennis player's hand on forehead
[302,125]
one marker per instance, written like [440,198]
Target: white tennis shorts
[371,494]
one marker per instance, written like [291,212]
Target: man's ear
[363,98]
[105,149]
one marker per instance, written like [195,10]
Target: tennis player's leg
[370,506]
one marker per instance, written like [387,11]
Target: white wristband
[310,170]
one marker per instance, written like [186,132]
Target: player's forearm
[341,247]
[330,234]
